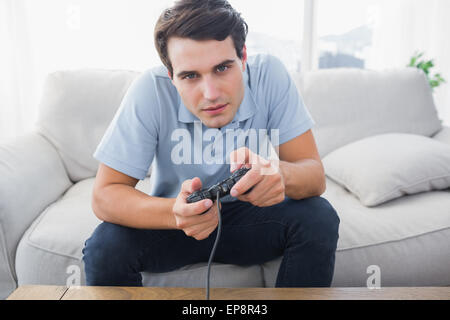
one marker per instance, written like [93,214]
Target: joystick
[222,188]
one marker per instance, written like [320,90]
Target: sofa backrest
[75,111]
[346,104]
[350,104]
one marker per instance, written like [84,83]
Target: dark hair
[199,20]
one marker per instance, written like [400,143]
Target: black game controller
[222,187]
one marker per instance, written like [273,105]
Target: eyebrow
[183,73]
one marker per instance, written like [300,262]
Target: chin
[218,124]
[213,124]
[219,120]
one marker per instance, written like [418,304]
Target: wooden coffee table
[39,292]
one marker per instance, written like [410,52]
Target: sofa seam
[393,241]
[53,252]
[35,245]
[42,131]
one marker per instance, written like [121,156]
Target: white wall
[407,26]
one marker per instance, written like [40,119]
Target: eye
[190,76]
[222,68]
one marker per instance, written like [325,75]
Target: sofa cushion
[407,238]
[396,220]
[384,167]
[75,110]
[351,104]
[56,238]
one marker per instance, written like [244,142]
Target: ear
[170,75]
[244,57]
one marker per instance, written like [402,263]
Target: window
[345,31]
[275,27]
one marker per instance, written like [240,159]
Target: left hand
[264,176]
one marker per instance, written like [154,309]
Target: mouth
[218,108]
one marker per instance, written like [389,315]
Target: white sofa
[46,180]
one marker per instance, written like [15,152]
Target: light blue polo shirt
[152,127]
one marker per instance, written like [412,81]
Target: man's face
[208,77]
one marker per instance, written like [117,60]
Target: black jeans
[304,232]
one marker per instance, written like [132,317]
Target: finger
[206,216]
[188,187]
[191,185]
[239,157]
[186,220]
[264,194]
[205,233]
[207,228]
[249,180]
[258,194]
[198,207]
[205,224]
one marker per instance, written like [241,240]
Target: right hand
[189,217]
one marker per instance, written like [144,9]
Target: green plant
[425,66]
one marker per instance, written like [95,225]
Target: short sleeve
[129,142]
[287,112]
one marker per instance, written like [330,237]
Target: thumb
[196,184]
[190,185]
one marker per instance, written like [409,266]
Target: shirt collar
[246,110]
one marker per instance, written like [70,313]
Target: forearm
[127,206]
[303,179]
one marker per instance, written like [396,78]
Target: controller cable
[213,251]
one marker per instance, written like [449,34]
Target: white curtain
[405,26]
[17,92]
[39,37]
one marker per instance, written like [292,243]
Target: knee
[325,220]
[324,212]
[322,222]
[106,247]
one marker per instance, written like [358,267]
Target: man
[208,85]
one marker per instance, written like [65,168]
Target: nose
[210,89]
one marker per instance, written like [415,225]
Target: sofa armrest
[32,176]
[443,135]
